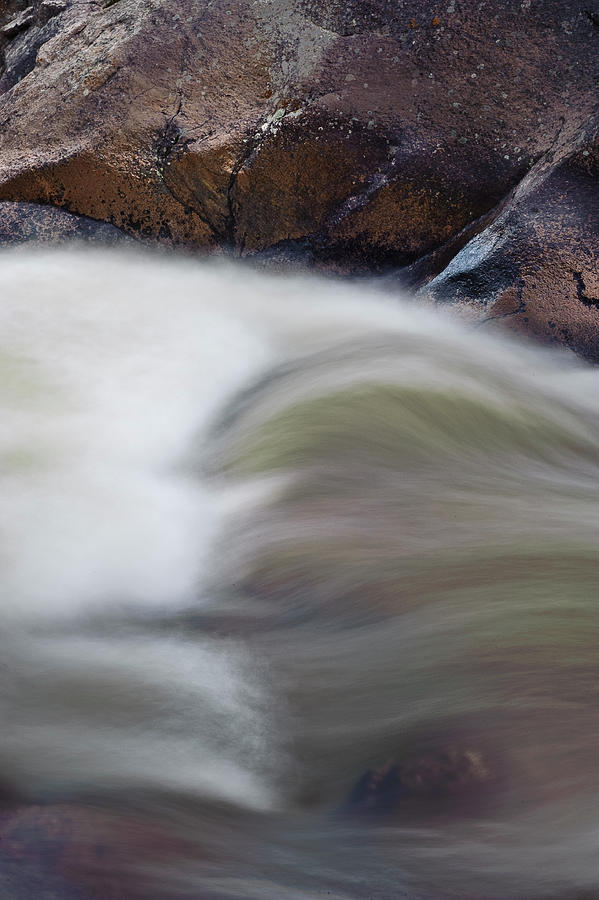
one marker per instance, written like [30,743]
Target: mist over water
[261,535]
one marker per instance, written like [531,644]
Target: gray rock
[26,222]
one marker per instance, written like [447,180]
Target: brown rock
[360,135]
[535,268]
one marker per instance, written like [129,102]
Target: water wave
[300,574]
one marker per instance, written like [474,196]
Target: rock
[79,851]
[534,269]
[446,777]
[50,8]
[20,23]
[377,791]
[22,37]
[25,222]
[354,136]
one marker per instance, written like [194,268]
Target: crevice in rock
[413,271]
[549,155]
[169,140]
[169,143]
[360,199]
[263,128]
[430,265]
[434,263]
[19,24]
[22,37]
[190,210]
[592,302]
[593,17]
[48,9]
[231,219]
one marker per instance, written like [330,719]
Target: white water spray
[259,534]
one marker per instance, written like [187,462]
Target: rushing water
[260,535]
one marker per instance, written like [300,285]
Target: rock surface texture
[24,222]
[451,143]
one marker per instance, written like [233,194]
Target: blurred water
[260,535]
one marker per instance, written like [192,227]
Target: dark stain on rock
[593,17]
[581,291]
[169,141]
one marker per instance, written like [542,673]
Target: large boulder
[535,268]
[355,135]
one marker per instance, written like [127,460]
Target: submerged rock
[76,852]
[449,777]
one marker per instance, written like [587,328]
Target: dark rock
[20,23]
[377,791]
[444,777]
[25,222]
[50,8]
[22,38]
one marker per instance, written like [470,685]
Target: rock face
[536,267]
[354,135]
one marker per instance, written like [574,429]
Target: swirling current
[299,592]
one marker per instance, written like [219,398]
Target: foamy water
[260,535]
